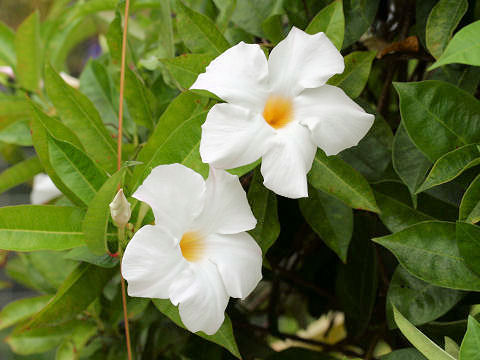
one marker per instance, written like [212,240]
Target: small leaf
[7,47]
[82,253]
[21,310]
[20,173]
[331,21]
[186,68]
[471,341]
[470,205]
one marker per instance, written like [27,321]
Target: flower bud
[120,209]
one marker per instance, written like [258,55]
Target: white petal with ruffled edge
[335,120]
[176,195]
[302,61]
[238,76]
[151,263]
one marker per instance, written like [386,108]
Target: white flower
[43,189]
[120,209]
[197,254]
[279,110]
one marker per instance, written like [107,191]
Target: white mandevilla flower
[279,110]
[43,189]
[197,254]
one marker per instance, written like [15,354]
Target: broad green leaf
[79,114]
[426,346]
[186,68]
[404,354]
[250,15]
[468,241]
[451,165]
[96,219]
[40,227]
[17,133]
[470,205]
[226,8]
[420,302]
[76,341]
[7,47]
[331,21]
[428,250]
[430,115]
[12,109]
[21,310]
[81,287]
[198,32]
[452,347]
[355,76]
[272,26]
[441,23]
[409,163]
[331,219]
[223,337]
[333,176]
[466,77]
[28,50]
[82,253]
[264,207]
[464,48]
[422,11]
[359,15]
[20,173]
[471,341]
[77,171]
[165,28]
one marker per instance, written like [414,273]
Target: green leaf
[186,68]
[430,115]
[17,133]
[28,50]
[452,347]
[404,354]
[331,219]
[7,47]
[82,253]
[426,346]
[21,310]
[428,250]
[13,109]
[76,341]
[451,165]
[20,173]
[441,23]
[164,28]
[96,219]
[359,15]
[272,26]
[468,241]
[198,32]
[40,227]
[470,205]
[79,290]
[223,337]
[264,207]
[77,171]
[333,176]
[464,76]
[420,302]
[79,114]
[471,341]
[464,48]
[331,21]
[251,14]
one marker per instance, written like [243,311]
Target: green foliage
[331,21]
[471,341]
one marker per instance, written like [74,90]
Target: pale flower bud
[120,209]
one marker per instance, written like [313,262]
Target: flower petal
[238,76]
[239,261]
[202,297]
[335,120]
[302,61]
[43,189]
[233,136]
[226,208]
[286,164]
[175,193]
[151,262]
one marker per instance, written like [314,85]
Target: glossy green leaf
[77,171]
[470,205]
[223,337]
[464,48]
[441,23]
[7,47]
[28,50]
[40,227]
[471,341]
[331,21]
[250,15]
[468,241]
[198,32]
[355,76]
[426,346]
[431,116]
[419,301]
[333,176]
[464,76]
[451,165]
[186,68]
[96,219]
[330,218]
[21,310]
[20,173]
[404,354]
[79,114]
[359,15]
[428,250]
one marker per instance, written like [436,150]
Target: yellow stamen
[192,246]
[278,111]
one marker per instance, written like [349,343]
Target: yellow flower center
[278,111]
[192,246]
